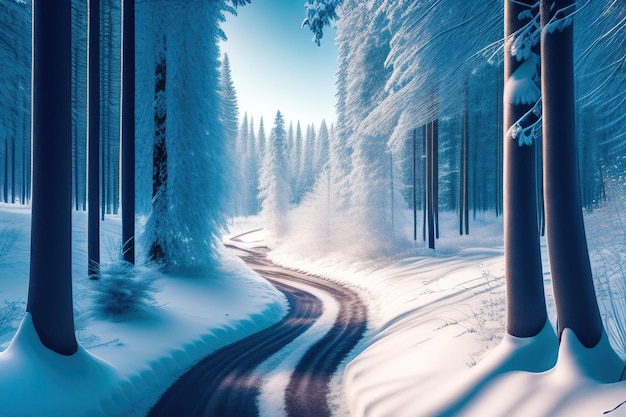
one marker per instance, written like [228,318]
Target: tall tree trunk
[128,132]
[425,182]
[6,171]
[103,187]
[464,197]
[414,184]
[574,293]
[159,156]
[430,193]
[13,192]
[93,217]
[50,284]
[526,309]
[23,190]
[435,175]
[498,155]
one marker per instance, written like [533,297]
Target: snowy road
[228,382]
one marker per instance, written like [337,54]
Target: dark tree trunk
[430,192]
[128,133]
[6,171]
[23,190]
[103,187]
[13,192]
[574,293]
[159,156]
[435,175]
[93,216]
[526,309]
[464,197]
[414,184]
[499,139]
[425,183]
[50,284]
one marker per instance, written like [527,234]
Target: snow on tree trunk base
[44,382]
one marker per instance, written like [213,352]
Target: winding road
[225,383]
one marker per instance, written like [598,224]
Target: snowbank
[435,346]
[124,365]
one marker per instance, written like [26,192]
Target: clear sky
[276,66]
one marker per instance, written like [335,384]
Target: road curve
[225,384]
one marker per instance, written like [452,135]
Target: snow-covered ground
[435,345]
[126,362]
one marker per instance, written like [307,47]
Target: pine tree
[260,146]
[229,108]
[274,183]
[251,173]
[229,118]
[198,162]
[242,164]
[296,178]
[321,149]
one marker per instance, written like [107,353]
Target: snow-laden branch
[561,19]
[528,36]
[526,131]
[319,13]
[523,85]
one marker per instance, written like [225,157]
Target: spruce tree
[274,182]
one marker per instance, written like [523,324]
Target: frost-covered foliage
[401,65]
[600,68]
[319,13]
[122,289]
[405,63]
[274,183]
[198,164]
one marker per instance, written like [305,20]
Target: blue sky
[276,66]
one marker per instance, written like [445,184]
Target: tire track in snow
[228,382]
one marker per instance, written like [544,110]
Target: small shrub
[123,289]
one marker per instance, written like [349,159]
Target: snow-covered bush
[123,288]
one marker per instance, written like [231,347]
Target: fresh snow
[124,364]
[434,347]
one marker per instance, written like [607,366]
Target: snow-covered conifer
[229,108]
[252,173]
[229,118]
[240,159]
[198,170]
[321,149]
[274,183]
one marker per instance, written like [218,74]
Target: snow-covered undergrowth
[435,345]
[124,362]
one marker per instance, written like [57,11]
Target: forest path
[228,382]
